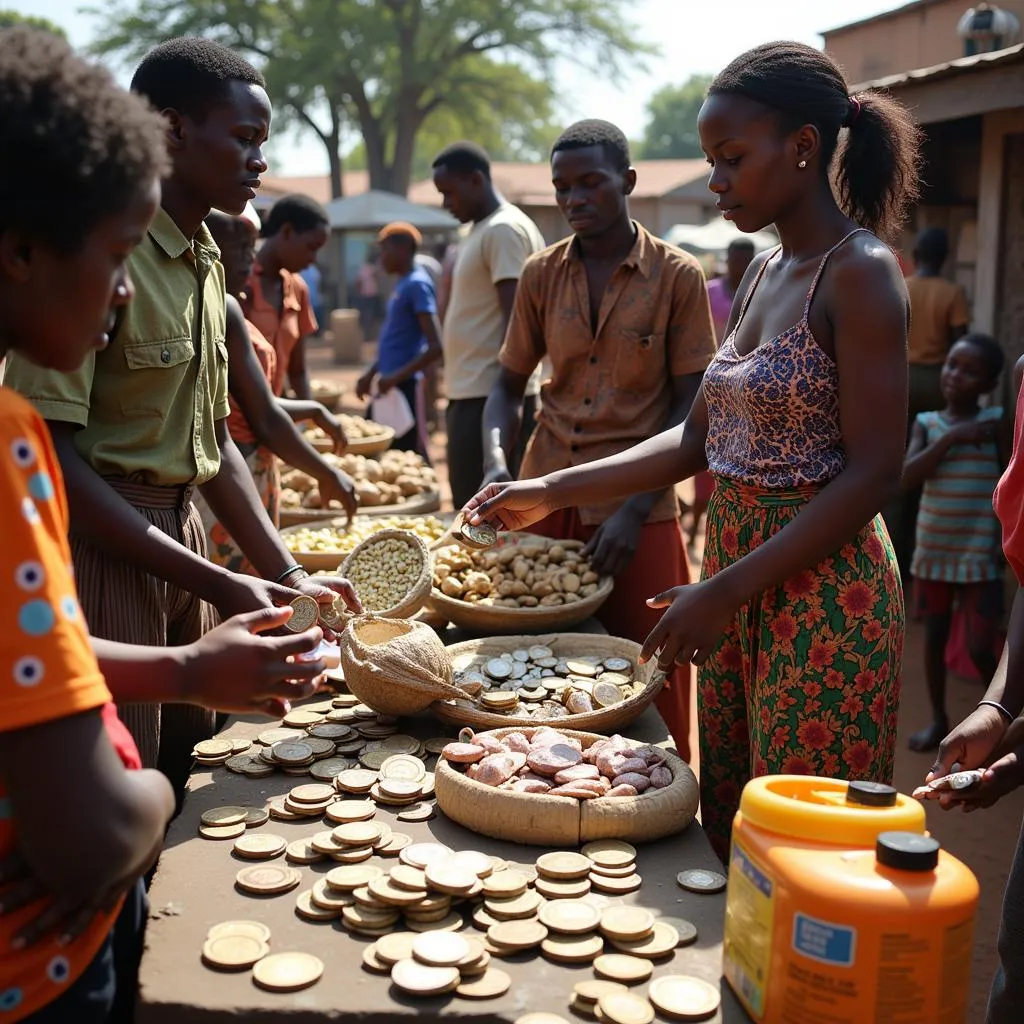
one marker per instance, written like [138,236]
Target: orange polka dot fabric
[47,671]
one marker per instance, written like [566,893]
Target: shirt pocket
[639,362]
[157,372]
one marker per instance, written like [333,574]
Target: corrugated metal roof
[953,67]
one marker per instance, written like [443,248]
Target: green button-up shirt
[147,403]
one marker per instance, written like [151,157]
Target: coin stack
[217,752]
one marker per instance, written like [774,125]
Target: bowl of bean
[391,572]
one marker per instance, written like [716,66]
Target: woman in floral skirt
[797,623]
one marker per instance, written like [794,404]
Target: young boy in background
[78,187]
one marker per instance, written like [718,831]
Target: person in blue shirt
[410,338]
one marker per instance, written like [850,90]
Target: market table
[194,889]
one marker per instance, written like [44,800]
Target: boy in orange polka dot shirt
[79,184]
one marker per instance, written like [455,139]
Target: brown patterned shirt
[611,390]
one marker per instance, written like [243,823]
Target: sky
[693,38]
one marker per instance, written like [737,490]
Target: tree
[390,66]
[671,130]
[8,19]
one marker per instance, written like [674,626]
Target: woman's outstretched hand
[510,506]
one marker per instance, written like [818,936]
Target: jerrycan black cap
[871,794]
[907,851]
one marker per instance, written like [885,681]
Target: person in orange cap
[410,338]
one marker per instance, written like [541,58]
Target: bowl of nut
[326,392]
[560,787]
[397,483]
[575,680]
[390,571]
[523,584]
[364,436]
[321,547]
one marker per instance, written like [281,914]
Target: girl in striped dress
[954,454]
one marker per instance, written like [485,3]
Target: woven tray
[328,561]
[491,620]
[540,820]
[373,445]
[428,501]
[417,594]
[604,721]
[328,396]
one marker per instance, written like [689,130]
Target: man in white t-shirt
[483,290]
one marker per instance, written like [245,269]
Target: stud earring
[802,164]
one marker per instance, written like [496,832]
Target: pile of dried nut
[356,429]
[531,573]
[330,539]
[551,763]
[384,572]
[390,480]
[536,683]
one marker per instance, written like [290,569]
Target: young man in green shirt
[143,422]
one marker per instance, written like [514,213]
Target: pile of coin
[219,751]
[536,683]
[230,822]
[245,945]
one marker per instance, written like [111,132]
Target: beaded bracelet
[291,568]
[999,707]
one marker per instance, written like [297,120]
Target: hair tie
[852,113]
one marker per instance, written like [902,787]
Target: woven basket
[540,820]
[328,561]
[428,501]
[372,445]
[417,594]
[565,645]
[328,395]
[393,682]
[492,620]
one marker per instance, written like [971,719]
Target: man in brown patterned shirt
[625,321]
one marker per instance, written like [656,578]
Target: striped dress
[957,530]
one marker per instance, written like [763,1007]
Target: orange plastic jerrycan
[842,910]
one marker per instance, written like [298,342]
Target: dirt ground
[985,840]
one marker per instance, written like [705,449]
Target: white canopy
[715,236]
[372,210]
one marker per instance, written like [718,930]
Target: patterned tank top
[773,414]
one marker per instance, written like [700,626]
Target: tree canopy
[671,129]
[8,19]
[392,69]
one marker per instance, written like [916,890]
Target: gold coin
[684,997]
[583,1009]
[291,752]
[476,956]
[572,949]
[302,852]
[418,812]
[571,890]
[287,972]
[387,892]
[312,793]
[352,854]
[323,842]
[346,811]
[307,810]
[420,855]
[590,990]
[491,984]
[322,895]
[256,816]
[505,884]
[563,865]
[260,846]
[517,934]
[403,766]
[394,846]
[213,748]
[351,876]
[451,922]
[305,612]
[455,880]
[279,811]
[444,950]
[627,923]
[624,1008]
[305,907]
[356,780]
[267,878]
[416,914]
[271,736]
[256,929]
[223,816]
[541,1017]
[661,941]
[372,961]
[222,831]
[396,946]
[406,877]
[234,952]
[301,719]
[427,785]
[365,898]
[479,863]
[569,917]
[240,744]
[619,967]
[420,980]
[616,886]
[610,853]
[367,917]
[360,833]
[525,905]
[400,789]
[687,929]
[606,872]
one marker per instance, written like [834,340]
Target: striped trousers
[124,603]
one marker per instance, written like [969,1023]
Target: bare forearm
[502,421]
[299,380]
[100,515]
[300,411]
[279,433]
[831,519]
[922,466]
[232,497]
[421,362]
[138,675]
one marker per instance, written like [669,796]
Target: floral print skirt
[221,548]
[806,679]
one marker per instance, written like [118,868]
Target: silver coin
[700,880]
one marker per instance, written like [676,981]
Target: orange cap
[400,227]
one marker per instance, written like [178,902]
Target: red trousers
[658,564]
